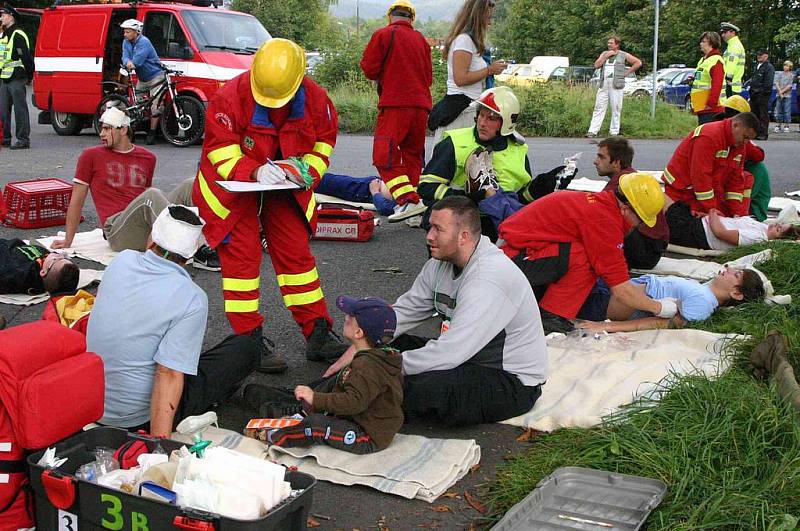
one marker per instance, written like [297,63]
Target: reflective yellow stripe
[312,206]
[397,192]
[211,200]
[316,163]
[440,191]
[704,196]
[697,130]
[240,284]
[748,192]
[323,148]
[225,170]
[299,279]
[668,176]
[526,194]
[241,306]
[397,181]
[432,179]
[224,153]
[734,196]
[298,299]
[722,154]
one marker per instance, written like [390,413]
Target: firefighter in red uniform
[703,170]
[399,58]
[564,241]
[271,112]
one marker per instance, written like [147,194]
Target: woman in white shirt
[468,62]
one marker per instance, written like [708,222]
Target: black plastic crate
[96,507]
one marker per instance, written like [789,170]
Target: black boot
[555,323]
[256,394]
[323,344]
[270,361]
[151,137]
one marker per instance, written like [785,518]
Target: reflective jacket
[15,56]
[240,137]
[705,168]
[734,64]
[707,84]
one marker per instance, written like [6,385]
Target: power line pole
[655,62]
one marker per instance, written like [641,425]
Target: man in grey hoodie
[490,359]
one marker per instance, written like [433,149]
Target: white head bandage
[176,236]
[115,118]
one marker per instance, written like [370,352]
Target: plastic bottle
[564,177]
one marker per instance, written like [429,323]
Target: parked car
[644,86]
[503,76]
[522,76]
[572,75]
[595,80]
[676,92]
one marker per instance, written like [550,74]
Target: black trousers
[684,228]
[759,103]
[467,394]
[642,252]
[339,433]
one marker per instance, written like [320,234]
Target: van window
[164,31]
[217,30]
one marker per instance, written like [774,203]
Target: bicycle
[182,121]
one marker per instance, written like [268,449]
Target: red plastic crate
[37,203]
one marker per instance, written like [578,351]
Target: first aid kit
[63,501]
[344,223]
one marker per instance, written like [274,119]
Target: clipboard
[242,186]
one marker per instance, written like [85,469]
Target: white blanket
[779,203]
[87,245]
[700,269]
[691,251]
[87,276]
[591,378]
[411,467]
[584,184]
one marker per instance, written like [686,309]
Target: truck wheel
[66,123]
[187,127]
[640,94]
[109,101]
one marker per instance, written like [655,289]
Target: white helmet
[502,101]
[133,24]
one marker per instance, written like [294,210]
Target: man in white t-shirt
[613,71]
[715,231]
[696,301]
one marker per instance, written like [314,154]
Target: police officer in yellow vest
[708,79]
[483,160]
[734,58]
[16,71]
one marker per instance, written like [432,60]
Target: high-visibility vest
[701,86]
[8,65]
[509,163]
[734,64]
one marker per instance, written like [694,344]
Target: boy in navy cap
[359,409]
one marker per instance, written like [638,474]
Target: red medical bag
[344,223]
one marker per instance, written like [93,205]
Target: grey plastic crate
[620,501]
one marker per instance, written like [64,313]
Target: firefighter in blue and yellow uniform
[270,113]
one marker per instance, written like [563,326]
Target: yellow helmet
[277,71]
[403,4]
[737,103]
[644,194]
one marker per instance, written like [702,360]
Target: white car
[644,86]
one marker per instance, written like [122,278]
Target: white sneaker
[409,210]
[777,129]
[785,128]
[415,222]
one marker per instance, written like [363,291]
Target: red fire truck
[79,47]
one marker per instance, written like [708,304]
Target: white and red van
[80,46]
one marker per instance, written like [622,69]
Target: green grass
[548,110]
[728,448]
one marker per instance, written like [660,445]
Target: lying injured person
[31,269]
[696,301]
[715,231]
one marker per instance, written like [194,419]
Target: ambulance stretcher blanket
[779,203]
[411,467]
[322,198]
[699,269]
[691,251]
[87,276]
[87,245]
[591,378]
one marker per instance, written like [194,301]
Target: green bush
[548,110]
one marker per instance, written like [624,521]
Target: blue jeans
[783,109]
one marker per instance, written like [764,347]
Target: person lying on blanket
[715,231]
[358,190]
[696,301]
[32,269]
[358,409]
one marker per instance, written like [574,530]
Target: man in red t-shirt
[564,241]
[120,176]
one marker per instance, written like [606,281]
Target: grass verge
[548,110]
[728,448]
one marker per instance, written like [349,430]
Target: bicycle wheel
[187,127]
[113,100]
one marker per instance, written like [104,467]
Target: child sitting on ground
[359,409]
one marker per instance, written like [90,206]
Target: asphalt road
[345,268]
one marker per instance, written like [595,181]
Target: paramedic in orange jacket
[268,125]
[697,172]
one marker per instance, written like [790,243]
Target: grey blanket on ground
[412,466]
